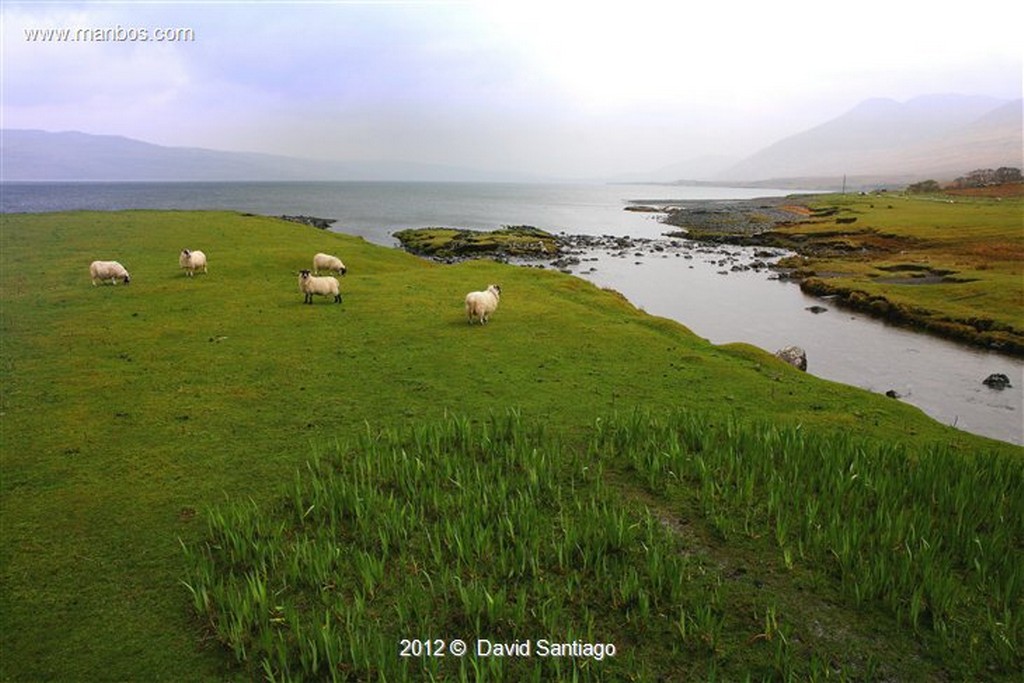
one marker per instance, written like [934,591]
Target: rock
[793,355]
[313,221]
[892,394]
[997,381]
[816,309]
[564,263]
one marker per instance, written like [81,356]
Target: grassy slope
[978,243]
[128,410]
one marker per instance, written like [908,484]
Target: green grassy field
[141,420]
[954,265]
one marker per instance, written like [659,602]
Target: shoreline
[728,294]
[739,222]
[757,223]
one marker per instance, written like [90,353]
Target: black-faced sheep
[324,286]
[328,262]
[108,270]
[480,305]
[192,261]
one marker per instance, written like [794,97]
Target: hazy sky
[554,88]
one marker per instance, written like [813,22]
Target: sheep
[192,261]
[480,305]
[328,262]
[108,270]
[323,286]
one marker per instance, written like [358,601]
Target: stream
[710,290]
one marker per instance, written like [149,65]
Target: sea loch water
[942,378]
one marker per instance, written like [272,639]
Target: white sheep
[480,305]
[192,261]
[323,286]
[108,270]
[328,262]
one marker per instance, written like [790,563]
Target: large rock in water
[793,355]
[997,380]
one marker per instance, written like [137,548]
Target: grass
[951,265]
[134,418]
[495,528]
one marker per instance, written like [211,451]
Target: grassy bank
[135,417]
[950,265]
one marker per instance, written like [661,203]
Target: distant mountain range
[878,142]
[939,136]
[41,155]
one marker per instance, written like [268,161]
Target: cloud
[553,86]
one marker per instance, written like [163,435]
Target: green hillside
[142,423]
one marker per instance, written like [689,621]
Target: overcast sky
[569,89]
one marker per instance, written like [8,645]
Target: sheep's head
[304,274]
[494,289]
[127,277]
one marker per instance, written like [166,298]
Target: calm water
[686,283]
[942,378]
[375,210]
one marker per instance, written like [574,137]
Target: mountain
[935,136]
[42,155]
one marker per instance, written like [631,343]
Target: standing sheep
[192,261]
[328,262]
[108,270]
[323,286]
[480,305]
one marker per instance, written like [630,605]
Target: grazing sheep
[108,270]
[328,262]
[323,286]
[192,261]
[480,305]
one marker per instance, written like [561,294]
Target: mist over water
[692,284]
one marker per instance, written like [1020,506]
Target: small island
[522,241]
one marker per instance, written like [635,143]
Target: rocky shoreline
[732,221]
[527,245]
[753,223]
[312,221]
[702,226]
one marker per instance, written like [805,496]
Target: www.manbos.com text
[111,34]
